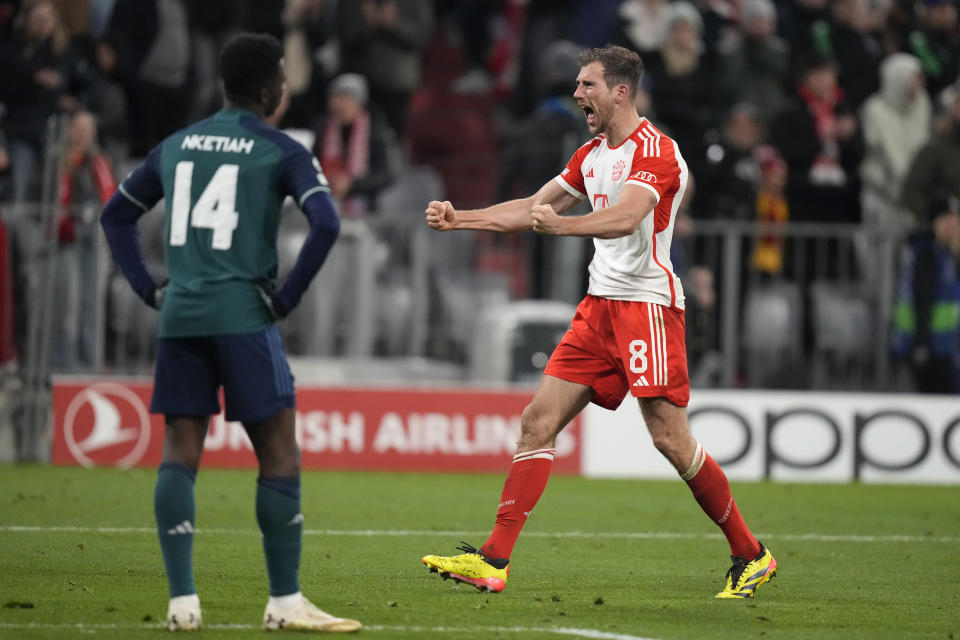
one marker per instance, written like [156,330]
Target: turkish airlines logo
[106,424]
[618,169]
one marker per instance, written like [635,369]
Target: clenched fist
[545,220]
[441,215]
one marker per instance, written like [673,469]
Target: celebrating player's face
[594,97]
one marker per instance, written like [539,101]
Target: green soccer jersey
[224,181]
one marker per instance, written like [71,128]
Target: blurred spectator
[772,213]
[895,21]
[87,180]
[927,320]
[685,90]
[796,20]
[537,149]
[936,166]
[259,16]
[212,23]
[86,183]
[721,18]
[99,17]
[43,76]
[4,165]
[643,25]
[381,40]
[474,20]
[8,338]
[309,27]
[594,22]
[354,146]
[700,317]
[147,49]
[643,101]
[546,21]
[729,178]
[75,16]
[936,42]
[819,138]
[8,11]
[755,62]
[848,39]
[682,250]
[896,124]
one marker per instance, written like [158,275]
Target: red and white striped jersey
[636,267]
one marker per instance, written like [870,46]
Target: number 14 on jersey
[214,209]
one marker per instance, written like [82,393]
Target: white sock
[285,602]
[192,600]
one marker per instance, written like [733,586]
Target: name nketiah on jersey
[224,144]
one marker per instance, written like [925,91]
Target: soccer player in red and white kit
[627,334]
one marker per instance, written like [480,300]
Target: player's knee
[183,451]
[537,429]
[662,441]
[283,461]
[188,457]
[672,443]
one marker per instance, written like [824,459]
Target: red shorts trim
[614,346]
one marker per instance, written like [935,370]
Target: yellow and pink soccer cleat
[470,567]
[744,577]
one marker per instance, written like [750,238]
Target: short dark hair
[620,65]
[248,63]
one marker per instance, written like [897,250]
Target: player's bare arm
[512,216]
[617,221]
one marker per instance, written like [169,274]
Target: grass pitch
[611,559]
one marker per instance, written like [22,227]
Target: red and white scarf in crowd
[355,158]
[826,169]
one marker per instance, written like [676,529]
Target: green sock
[175,510]
[280,520]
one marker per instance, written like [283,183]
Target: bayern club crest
[618,169]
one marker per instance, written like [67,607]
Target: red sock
[712,491]
[524,485]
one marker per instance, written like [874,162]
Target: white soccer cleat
[183,614]
[296,613]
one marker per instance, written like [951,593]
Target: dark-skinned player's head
[620,65]
[251,67]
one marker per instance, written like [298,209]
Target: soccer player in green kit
[224,181]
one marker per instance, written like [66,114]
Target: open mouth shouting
[591,116]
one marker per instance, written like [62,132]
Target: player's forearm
[119,222]
[324,229]
[613,222]
[512,216]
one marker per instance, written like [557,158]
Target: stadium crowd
[817,111]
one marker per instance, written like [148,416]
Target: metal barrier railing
[834,280]
[394,289]
[34,228]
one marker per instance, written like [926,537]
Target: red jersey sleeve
[657,173]
[572,175]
